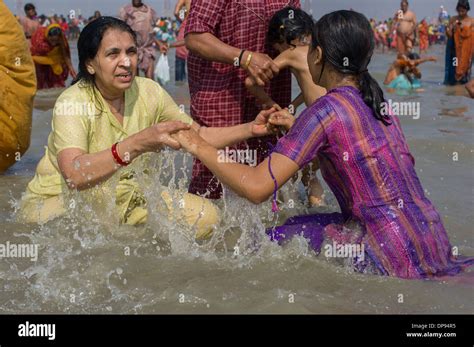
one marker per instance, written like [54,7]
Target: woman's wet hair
[89,42]
[464,4]
[347,41]
[289,24]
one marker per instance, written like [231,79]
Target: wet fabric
[464,44]
[80,121]
[370,170]
[450,69]
[402,82]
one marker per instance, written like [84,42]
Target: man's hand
[261,68]
[261,125]
[282,118]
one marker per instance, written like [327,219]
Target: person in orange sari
[461,29]
[423,35]
[52,57]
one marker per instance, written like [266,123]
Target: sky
[380,9]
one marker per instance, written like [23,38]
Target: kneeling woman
[109,119]
[363,157]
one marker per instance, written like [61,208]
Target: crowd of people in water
[240,59]
[402,33]
[49,38]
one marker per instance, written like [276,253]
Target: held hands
[282,118]
[154,137]
[268,121]
[189,140]
[261,125]
[261,67]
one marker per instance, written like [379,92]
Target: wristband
[116,156]
[240,57]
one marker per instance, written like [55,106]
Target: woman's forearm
[226,136]
[240,178]
[90,169]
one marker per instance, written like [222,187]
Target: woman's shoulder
[76,92]
[147,87]
[336,102]
[320,110]
[75,100]
[143,82]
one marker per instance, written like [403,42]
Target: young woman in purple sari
[363,156]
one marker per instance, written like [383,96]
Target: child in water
[404,74]
[289,33]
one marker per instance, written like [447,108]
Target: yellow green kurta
[76,123]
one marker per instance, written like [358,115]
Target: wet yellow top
[79,123]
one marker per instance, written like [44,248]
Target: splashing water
[88,263]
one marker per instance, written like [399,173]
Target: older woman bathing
[130,117]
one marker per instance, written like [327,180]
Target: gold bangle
[249,58]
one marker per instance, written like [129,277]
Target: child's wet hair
[289,24]
[347,41]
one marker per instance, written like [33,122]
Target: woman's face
[31,13]
[115,64]
[54,40]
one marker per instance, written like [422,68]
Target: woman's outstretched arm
[253,183]
[82,170]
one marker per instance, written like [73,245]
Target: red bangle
[116,156]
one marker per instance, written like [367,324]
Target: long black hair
[90,40]
[289,24]
[347,41]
